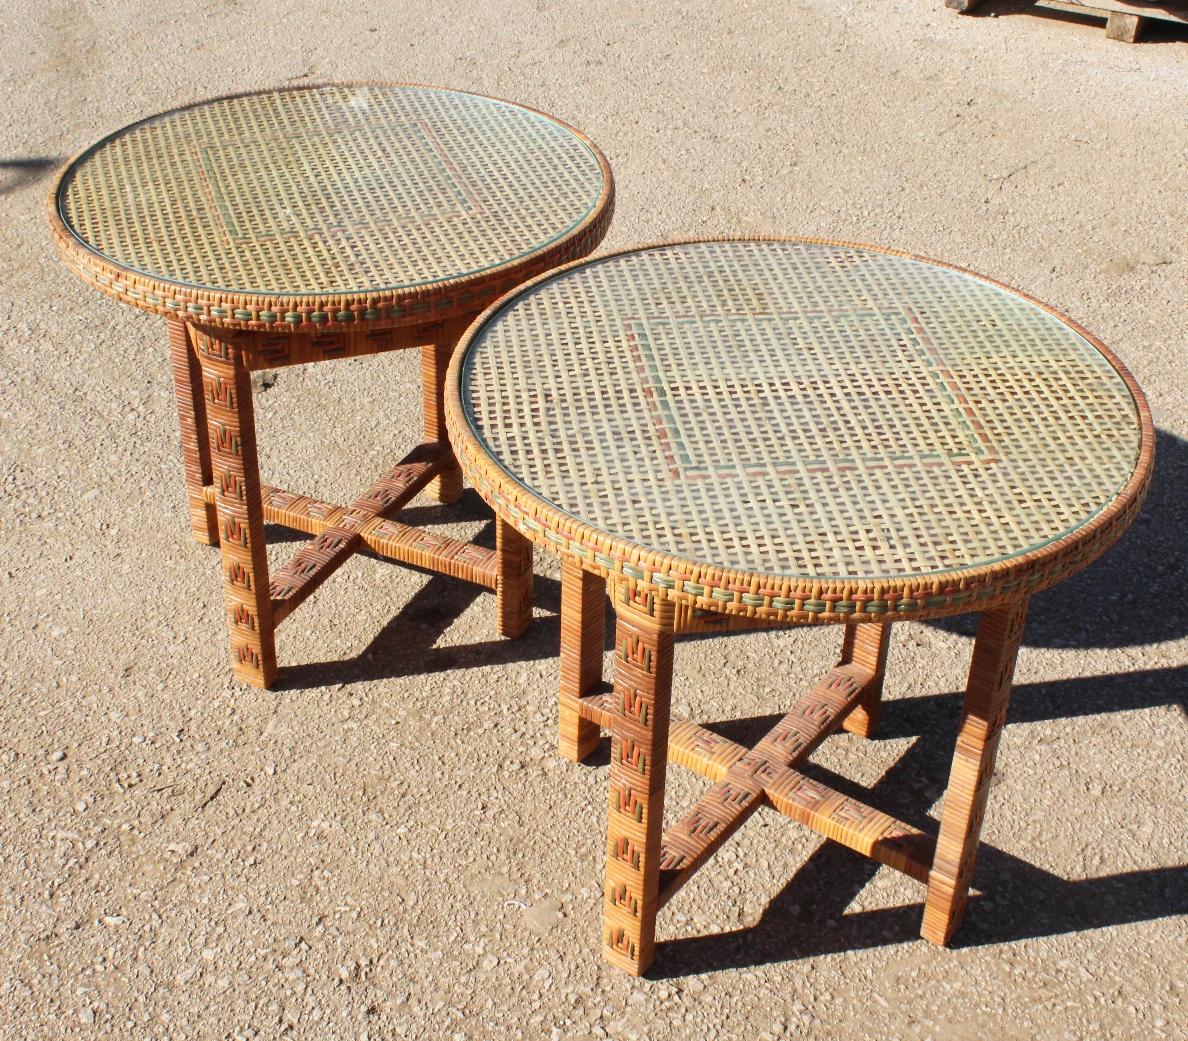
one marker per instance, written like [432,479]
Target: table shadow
[1017,901]
[405,646]
[1133,595]
[1030,703]
[1013,899]
[16,173]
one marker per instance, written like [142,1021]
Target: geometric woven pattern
[802,410]
[336,189]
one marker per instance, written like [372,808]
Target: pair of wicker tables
[718,434]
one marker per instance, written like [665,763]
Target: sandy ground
[387,846]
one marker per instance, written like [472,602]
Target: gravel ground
[386,846]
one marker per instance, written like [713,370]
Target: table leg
[227,388]
[513,583]
[987,693]
[583,608]
[866,645]
[195,449]
[435,360]
[640,713]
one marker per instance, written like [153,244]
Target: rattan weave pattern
[795,410]
[371,193]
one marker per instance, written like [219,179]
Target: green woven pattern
[801,410]
[337,189]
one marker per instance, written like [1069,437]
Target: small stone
[58,756]
[543,915]
[87,1016]
[114,919]
[81,806]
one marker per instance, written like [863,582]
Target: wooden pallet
[1124,18]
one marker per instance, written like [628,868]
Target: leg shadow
[406,645]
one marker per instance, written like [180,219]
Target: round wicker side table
[306,224]
[747,433]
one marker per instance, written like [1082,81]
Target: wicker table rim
[788,598]
[445,298]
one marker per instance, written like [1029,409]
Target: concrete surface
[387,847]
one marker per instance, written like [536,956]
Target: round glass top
[800,410]
[345,189]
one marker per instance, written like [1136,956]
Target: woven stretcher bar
[319,559]
[746,779]
[340,531]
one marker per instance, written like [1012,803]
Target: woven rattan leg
[227,388]
[435,359]
[866,645]
[195,448]
[640,712]
[986,695]
[583,609]
[513,584]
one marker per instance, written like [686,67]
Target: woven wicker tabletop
[800,429]
[329,204]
